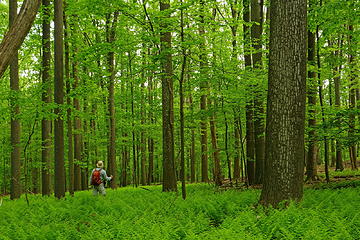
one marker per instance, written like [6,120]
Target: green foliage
[207,213]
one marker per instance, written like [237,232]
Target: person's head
[100,164]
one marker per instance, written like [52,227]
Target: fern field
[207,213]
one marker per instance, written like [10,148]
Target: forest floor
[326,212]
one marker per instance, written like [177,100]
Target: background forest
[215,56]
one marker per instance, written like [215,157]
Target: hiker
[97,179]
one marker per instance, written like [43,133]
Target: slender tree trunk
[250,135]
[77,126]
[134,155]
[234,56]
[259,126]
[15,111]
[286,103]
[111,101]
[68,101]
[193,147]
[203,98]
[182,121]
[169,175]
[59,100]
[150,178]
[311,164]
[352,101]
[337,72]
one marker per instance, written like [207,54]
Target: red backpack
[96,178]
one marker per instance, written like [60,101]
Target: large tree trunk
[311,164]
[46,98]
[286,103]
[15,111]
[17,33]
[169,176]
[259,129]
[59,100]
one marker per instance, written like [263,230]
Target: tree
[250,135]
[15,110]
[311,164]
[256,31]
[17,33]
[59,100]
[110,38]
[286,102]
[169,176]
[46,98]
[204,85]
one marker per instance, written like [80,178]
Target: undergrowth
[130,213]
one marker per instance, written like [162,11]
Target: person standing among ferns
[98,179]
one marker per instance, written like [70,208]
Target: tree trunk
[337,72]
[69,115]
[150,177]
[250,135]
[234,56]
[352,101]
[286,103]
[311,164]
[169,176]
[17,33]
[15,189]
[77,126]
[193,147]
[259,126]
[182,120]
[203,98]
[59,100]
[111,101]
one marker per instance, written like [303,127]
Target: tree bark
[15,190]
[286,103]
[17,33]
[59,100]
[169,175]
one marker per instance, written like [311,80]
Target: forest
[216,119]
